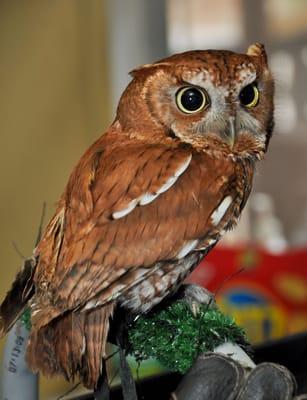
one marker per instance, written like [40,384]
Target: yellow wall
[54,101]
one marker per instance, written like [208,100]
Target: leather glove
[220,377]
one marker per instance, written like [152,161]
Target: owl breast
[164,281]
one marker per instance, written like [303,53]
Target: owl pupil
[247,95]
[192,99]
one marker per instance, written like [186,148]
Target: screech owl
[145,203]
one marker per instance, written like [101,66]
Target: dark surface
[290,352]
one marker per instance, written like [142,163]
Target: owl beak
[231,131]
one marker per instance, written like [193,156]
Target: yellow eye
[249,96]
[191,100]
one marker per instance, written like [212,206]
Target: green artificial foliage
[175,336]
[26,318]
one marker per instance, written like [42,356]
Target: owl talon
[195,296]
[194,308]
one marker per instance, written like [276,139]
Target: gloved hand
[215,376]
[226,373]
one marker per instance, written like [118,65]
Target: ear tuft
[257,50]
[147,68]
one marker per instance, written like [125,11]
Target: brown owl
[145,203]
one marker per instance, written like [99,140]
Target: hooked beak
[231,131]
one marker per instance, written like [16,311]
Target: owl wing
[127,207]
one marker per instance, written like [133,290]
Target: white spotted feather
[147,198]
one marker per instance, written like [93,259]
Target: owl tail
[17,298]
[73,345]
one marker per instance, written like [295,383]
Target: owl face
[203,96]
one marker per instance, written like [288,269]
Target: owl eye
[249,95]
[191,100]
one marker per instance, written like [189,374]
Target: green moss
[175,336]
[26,319]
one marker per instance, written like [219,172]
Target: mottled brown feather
[72,345]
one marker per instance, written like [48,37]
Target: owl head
[200,97]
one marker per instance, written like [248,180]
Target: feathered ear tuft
[147,68]
[257,50]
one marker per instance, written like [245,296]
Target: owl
[145,203]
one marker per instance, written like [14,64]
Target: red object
[265,293]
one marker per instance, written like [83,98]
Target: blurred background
[63,66]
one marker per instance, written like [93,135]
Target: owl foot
[196,296]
